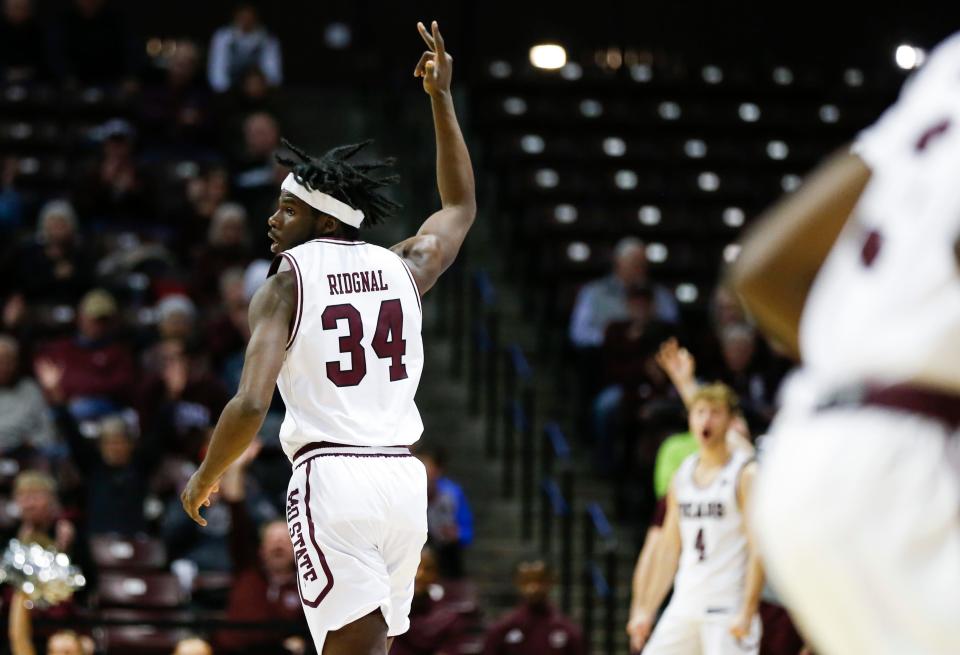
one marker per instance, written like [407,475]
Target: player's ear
[326,224]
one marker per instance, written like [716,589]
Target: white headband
[323,202]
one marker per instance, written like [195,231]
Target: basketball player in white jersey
[337,328]
[858,273]
[704,550]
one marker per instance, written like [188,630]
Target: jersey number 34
[388,342]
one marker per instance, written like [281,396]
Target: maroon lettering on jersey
[931,133]
[332,281]
[349,343]
[871,248]
[364,281]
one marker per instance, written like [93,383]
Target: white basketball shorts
[858,518]
[358,521]
[681,632]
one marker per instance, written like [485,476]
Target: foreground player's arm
[639,624]
[740,628]
[270,312]
[663,568]
[783,252]
[437,242]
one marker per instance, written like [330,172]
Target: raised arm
[783,252]
[437,242]
[270,312]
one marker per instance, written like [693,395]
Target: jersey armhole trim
[736,480]
[298,290]
[416,289]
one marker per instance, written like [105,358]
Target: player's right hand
[436,64]
[639,627]
[196,495]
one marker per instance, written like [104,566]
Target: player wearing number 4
[337,328]
[718,580]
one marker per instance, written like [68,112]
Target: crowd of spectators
[123,310]
[617,329]
[123,321]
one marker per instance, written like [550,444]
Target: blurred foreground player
[704,542]
[859,273]
[338,322]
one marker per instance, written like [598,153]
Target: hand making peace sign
[435,65]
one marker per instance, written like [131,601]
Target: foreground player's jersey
[355,353]
[713,538]
[885,307]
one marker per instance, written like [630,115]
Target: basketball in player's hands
[436,64]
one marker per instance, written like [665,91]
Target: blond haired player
[859,274]
[704,550]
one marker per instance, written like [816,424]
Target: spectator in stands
[11,201]
[176,113]
[20,631]
[41,520]
[602,301]
[449,520]
[264,577]
[113,188]
[242,45]
[743,369]
[535,627]
[116,470]
[180,397]
[98,367]
[24,415]
[192,646]
[434,628]
[176,317]
[91,46]
[227,246]
[261,138]
[22,43]
[228,329]
[630,371]
[55,268]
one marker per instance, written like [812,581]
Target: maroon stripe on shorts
[940,406]
[316,547]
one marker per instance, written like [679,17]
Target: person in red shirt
[98,368]
[264,584]
[435,629]
[535,627]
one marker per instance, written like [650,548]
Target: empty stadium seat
[153,590]
[140,553]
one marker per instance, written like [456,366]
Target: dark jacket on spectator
[92,49]
[36,274]
[434,628]
[534,631]
[22,48]
[251,596]
[114,495]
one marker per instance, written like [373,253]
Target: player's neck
[715,457]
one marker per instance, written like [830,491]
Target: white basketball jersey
[355,353]
[713,538]
[885,307]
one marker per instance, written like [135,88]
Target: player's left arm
[437,242]
[783,252]
[270,311]
[740,628]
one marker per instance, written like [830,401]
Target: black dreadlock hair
[350,183]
